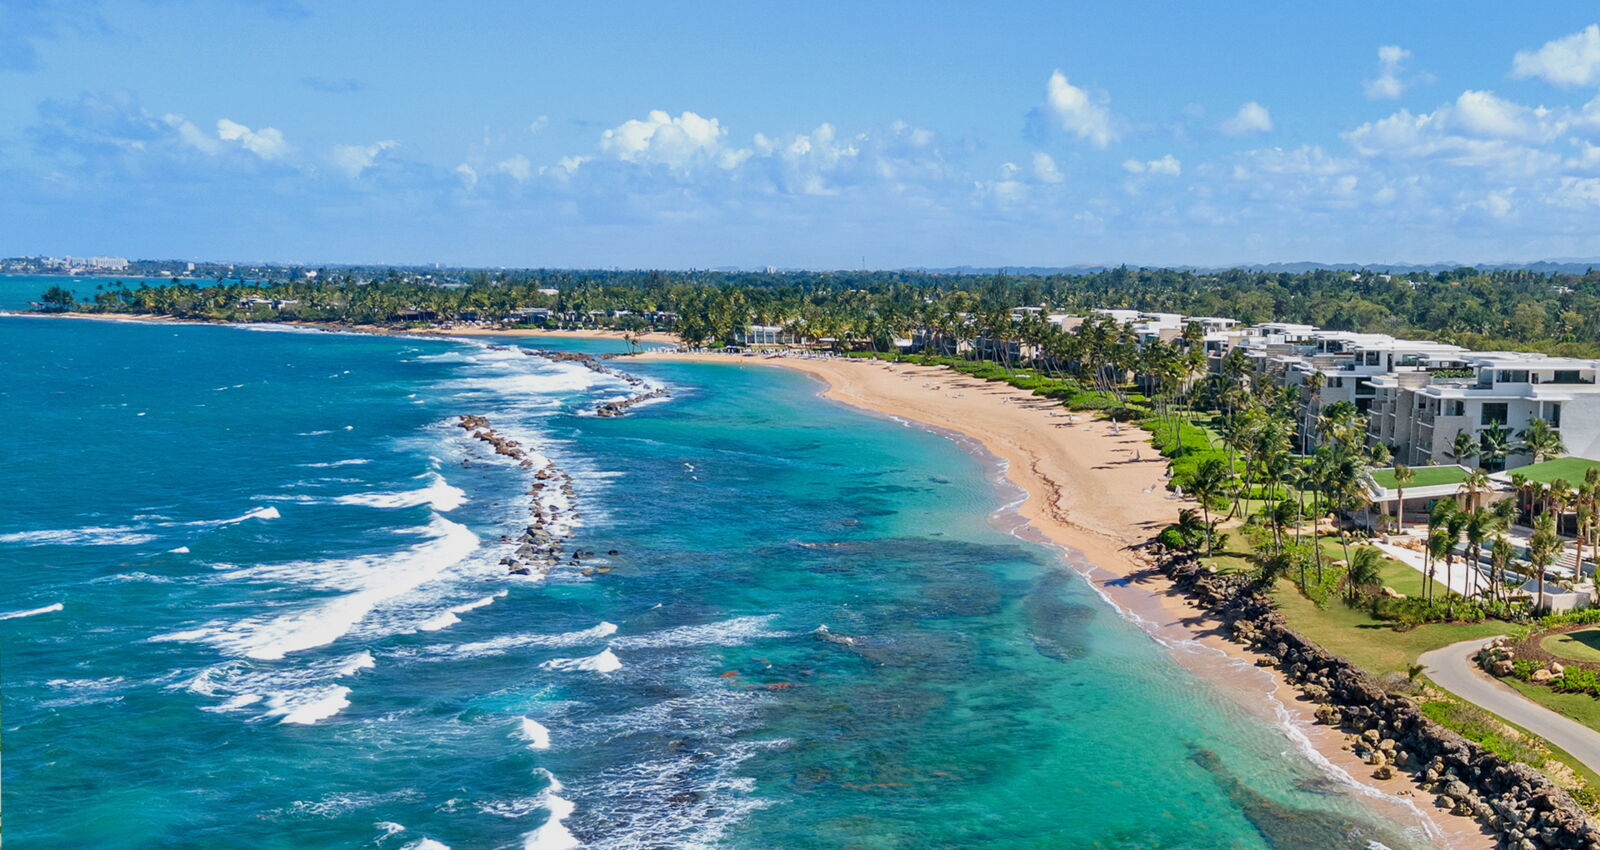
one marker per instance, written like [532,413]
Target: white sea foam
[506,643]
[448,618]
[439,493]
[426,844]
[181,550]
[605,662]
[12,615]
[365,582]
[553,834]
[535,733]
[726,633]
[303,694]
[354,461]
[88,536]
[267,512]
[308,709]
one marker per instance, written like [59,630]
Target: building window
[1455,408]
[1555,416]
[1494,413]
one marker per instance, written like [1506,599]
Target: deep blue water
[283,622]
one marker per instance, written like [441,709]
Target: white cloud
[354,159]
[1073,110]
[191,135]
[517,167]
[267,143]
[539,124]
[1572,60]
[1251,118]
[664,140]
[1477,129]
[1044,168]
[1388,85]
[1167,166]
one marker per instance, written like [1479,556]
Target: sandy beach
[1098,490]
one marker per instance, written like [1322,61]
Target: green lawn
[1582,645]
[1370,643]
[1570,468]
[1426,476]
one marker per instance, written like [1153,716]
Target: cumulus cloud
[1166,166]
[1044,168]
[1477,129]
[661,139]
[267,143]
[1074,111]
[354,159]
[1572,60]
[1388,85]
[1250,119]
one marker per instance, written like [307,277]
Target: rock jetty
[551,506]
[643,391]
[1523,807]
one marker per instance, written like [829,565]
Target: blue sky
[799,135]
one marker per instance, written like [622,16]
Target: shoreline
[1093,493]
[651,337]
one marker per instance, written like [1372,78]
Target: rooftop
[1424,476]
[1570,468]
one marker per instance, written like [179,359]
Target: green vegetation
[1582,645]
[1556,313]
[1571,469]
[1485,729]
[1370,643]
[1423,476]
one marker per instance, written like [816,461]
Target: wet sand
[1098,490]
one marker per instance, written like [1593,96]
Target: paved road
[1452,668]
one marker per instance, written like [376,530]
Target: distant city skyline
[926,135]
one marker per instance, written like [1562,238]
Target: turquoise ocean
[252,597]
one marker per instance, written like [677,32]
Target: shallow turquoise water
[283,623]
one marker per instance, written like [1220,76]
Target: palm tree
[1440,545]
[1475,485]
[1543,546]
[1500,555]
[1208,482]
[1363,572]
[1463,448]
[1479,525]
[1402,476]
[1494,445]
[1542,441]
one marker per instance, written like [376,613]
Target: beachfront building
[1419,414]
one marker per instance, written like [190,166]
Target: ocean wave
[365,583]
[13,615]
[448,618]
[439,493]
[553,834]
[354,461]
[299,695]
[426,844]
[506,643]
[535,733]
[726,633]
[267,512]
[605,661]
[631,802]
[88,536]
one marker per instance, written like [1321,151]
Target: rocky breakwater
[551,506]
[1523,807]
[641,390]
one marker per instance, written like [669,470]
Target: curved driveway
[1453,669]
